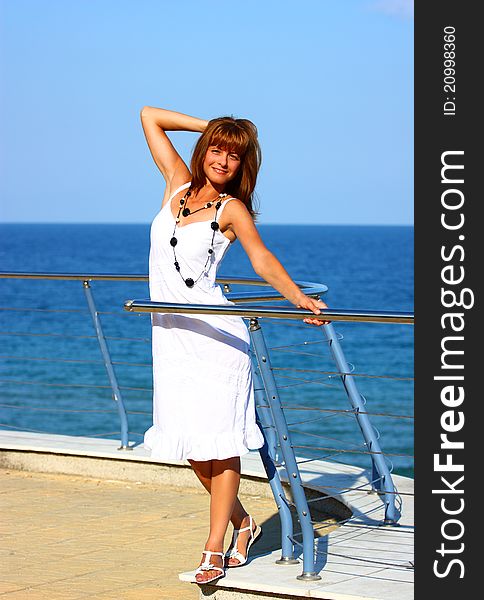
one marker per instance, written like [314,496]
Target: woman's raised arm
[155,122]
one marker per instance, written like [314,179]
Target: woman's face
[220,166]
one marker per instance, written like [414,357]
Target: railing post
[268,457]
[385,481]
[292,469]
[109,366]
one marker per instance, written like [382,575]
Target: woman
[203,402]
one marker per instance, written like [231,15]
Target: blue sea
[52,378]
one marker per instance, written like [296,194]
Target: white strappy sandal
[208,566]
[234,553]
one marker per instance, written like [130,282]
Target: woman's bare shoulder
[236,207]
[237,216]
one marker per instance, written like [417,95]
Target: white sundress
[203,395]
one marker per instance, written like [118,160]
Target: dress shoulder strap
[224,204]
[178,189]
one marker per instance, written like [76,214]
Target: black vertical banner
[448,340]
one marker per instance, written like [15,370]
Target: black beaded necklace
[214,225]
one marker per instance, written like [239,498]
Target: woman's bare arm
[169,120]
[265,264]
[155,122]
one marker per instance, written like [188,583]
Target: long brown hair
[233,135]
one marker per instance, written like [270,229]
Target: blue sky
[329,85]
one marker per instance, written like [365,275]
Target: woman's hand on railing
[313,305]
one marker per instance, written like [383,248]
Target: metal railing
[270,411]
[382,479]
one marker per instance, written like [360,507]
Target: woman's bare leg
[221,478]
[225,486]
[203,470]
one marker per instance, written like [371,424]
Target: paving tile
[6,586]
[76,537]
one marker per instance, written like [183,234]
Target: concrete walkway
[68,537]
[86,520]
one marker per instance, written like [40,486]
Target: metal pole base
[309,577]
[287,561]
